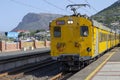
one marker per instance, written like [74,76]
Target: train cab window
[57,31]
[84,31]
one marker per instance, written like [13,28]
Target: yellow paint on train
[80,35]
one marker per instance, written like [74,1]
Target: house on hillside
[44,35]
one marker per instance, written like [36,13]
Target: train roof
[100,25]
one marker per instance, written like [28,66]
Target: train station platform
[106,67]
[13,54]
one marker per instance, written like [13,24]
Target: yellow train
[76,39]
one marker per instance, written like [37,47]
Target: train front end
[71,41]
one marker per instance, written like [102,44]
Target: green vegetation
[109,15]
[37,34]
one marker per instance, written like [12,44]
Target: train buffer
[106,67]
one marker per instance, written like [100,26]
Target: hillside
[110,15]
[34,21]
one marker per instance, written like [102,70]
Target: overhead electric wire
[70,1]
[53,5]
[91,6]
[27,5]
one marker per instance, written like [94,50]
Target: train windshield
[57,31]
[84,31]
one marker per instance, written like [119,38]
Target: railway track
[44,67]
[44,70]
[16,61]
[23,57]
[38,57]
[25,70]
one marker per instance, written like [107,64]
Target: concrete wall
[22,45]
[39,44]
[27,45]
[2,46]
[12,46]
[47,43]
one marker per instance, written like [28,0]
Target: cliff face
[33,21]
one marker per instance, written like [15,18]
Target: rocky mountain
[110,15]
[34,21]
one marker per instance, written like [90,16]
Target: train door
[115,39]
[69,36]
[112,42]
[96,42]
[107,42]
[69,33]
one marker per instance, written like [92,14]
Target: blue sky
[12,11]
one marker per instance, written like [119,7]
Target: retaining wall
[22,45]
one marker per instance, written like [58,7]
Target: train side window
[100,38]
[57,31]
[84,31]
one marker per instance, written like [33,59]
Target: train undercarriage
[72,62]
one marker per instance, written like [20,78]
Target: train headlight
[88,49]
[70,22]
